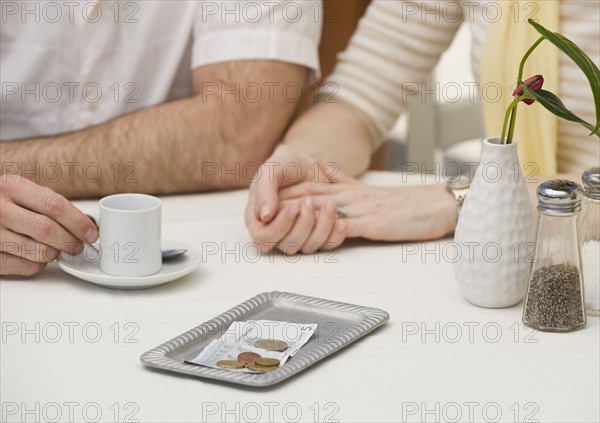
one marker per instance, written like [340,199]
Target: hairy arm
[199,143]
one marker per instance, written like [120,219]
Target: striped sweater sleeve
[396,46]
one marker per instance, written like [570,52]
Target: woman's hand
[403,213]
[319,213]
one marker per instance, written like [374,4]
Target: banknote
[243,337]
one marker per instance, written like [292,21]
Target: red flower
[534,84]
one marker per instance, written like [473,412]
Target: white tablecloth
[437,359]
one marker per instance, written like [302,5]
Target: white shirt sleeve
[283,30]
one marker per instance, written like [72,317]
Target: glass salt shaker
[590,240]
[554,299]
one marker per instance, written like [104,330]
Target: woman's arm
[332,132]
[389,58]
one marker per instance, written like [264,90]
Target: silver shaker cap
[559,196]
[591,183]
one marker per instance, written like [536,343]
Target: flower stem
[512,109]
[513,121]
[509,114]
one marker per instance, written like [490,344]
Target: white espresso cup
[130,229]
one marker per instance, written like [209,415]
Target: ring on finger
[342,213]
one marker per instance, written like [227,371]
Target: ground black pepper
[554,300]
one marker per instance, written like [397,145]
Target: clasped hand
[301,214]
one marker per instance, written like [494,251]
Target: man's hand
[36,224]
[296,226]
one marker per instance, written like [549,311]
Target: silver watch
[459,188]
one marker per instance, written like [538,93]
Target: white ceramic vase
[495,230]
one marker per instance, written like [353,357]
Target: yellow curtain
[506,42]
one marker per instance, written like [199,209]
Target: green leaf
[555,106]
[582,60]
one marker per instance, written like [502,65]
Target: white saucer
[86,266]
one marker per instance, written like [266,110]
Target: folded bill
[267,338]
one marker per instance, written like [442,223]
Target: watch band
[459,188]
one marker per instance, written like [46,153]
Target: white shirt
[69,65]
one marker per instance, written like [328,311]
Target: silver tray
[340,324]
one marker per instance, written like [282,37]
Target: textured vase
[495,231]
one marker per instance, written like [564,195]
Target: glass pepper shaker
[554,299]
[590,240]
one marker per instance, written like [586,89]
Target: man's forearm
[199,143]
[143,151]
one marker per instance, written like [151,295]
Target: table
[70,350]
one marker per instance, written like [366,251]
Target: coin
[230,364]
[259,369]
[248,357]
[267,362]
[271,345]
